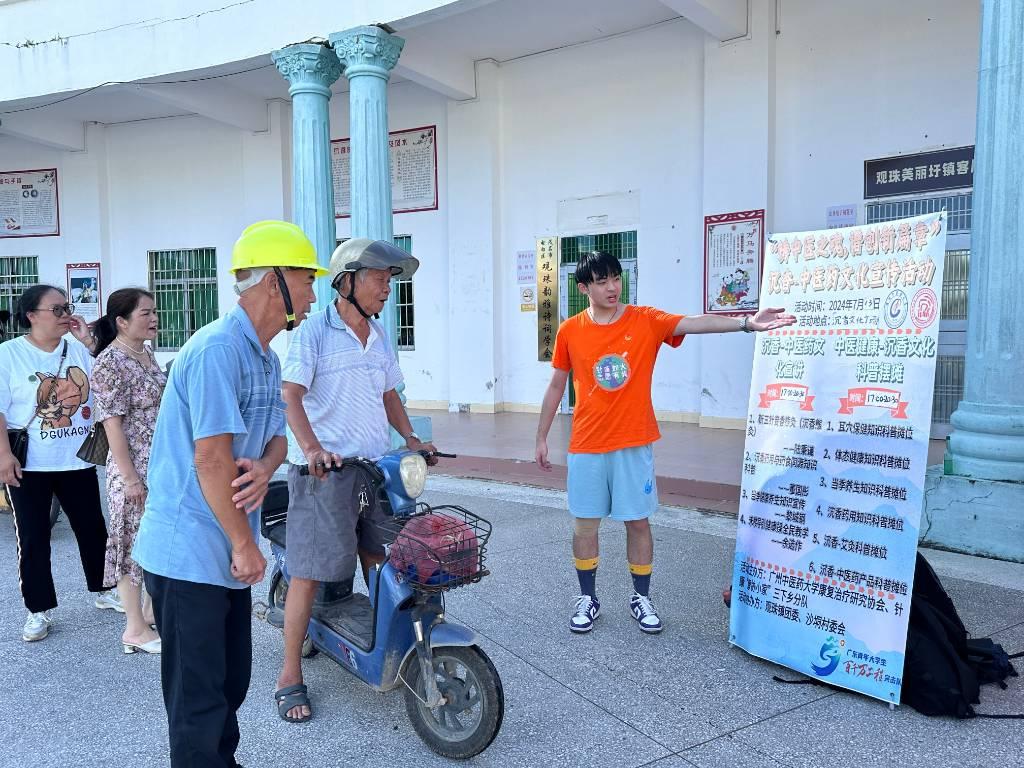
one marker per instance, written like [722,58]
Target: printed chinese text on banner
[836,451]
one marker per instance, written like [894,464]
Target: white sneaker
[108,599]
[37,626]
[587,610]
[645,614]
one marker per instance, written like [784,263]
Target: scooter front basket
[438,548]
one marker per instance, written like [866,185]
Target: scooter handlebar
[304,469]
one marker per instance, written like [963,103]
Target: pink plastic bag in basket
[436,548]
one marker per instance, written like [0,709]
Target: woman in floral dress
[127,386]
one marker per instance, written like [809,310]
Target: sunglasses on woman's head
[59,310]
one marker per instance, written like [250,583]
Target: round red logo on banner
[924,308]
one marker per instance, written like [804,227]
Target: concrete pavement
[613,698]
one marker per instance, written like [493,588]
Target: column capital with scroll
[308,67]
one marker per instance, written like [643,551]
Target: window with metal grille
[16,274]
[958,210]
[404,303]
[621,245]
[949,387]
[185,285]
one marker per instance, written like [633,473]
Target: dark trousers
[205,666]
[78,492]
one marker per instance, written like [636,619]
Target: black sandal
[288,698]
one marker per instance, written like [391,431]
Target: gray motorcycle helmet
[363,253]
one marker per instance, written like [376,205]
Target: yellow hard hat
[274,244]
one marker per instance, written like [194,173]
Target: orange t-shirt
[612,366]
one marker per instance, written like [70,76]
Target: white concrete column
[85,209]
[988,437]
[474,245]
[738,173]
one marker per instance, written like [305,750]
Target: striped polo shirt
[345,384]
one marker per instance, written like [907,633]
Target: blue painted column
[310,70]
[368,55]
[988,437]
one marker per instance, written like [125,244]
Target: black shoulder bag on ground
[18,438]
[943,668]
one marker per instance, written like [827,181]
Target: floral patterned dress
[123,386]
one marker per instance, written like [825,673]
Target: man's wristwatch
[745,327]
[413,435]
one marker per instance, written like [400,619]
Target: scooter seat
[274,514]
[277,533]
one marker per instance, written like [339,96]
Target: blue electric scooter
[398,634]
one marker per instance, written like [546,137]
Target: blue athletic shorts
[618,484]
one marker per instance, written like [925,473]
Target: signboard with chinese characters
[733,254]
[29,205]
[924,172]
[837,216]
[85,290]
[413,157]
[547,297]
[836,450]
[526,267]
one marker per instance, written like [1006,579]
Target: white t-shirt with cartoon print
[30,385]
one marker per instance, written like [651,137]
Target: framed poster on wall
[85,290]
[733,259]
[29,205]
[413,157]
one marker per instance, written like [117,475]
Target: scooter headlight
[413,471]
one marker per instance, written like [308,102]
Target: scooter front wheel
[466,724]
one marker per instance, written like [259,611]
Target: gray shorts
[329,521]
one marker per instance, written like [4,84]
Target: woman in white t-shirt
[44,385]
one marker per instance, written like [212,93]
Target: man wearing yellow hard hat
[219,438]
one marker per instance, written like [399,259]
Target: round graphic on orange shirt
[611,372]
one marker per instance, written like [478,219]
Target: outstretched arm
[765,320]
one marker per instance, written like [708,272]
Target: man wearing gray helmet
[340,378]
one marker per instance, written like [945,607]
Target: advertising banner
[836,451]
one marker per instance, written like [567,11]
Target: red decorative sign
[733,260]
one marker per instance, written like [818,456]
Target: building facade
[595,123]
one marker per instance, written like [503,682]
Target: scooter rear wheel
[468,724]
[276,598]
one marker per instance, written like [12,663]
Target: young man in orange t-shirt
[611,348]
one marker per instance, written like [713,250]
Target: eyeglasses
[58,310]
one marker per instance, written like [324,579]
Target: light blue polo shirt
[221,382]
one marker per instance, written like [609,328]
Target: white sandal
[153,646]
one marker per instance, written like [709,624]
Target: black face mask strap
[289,312]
